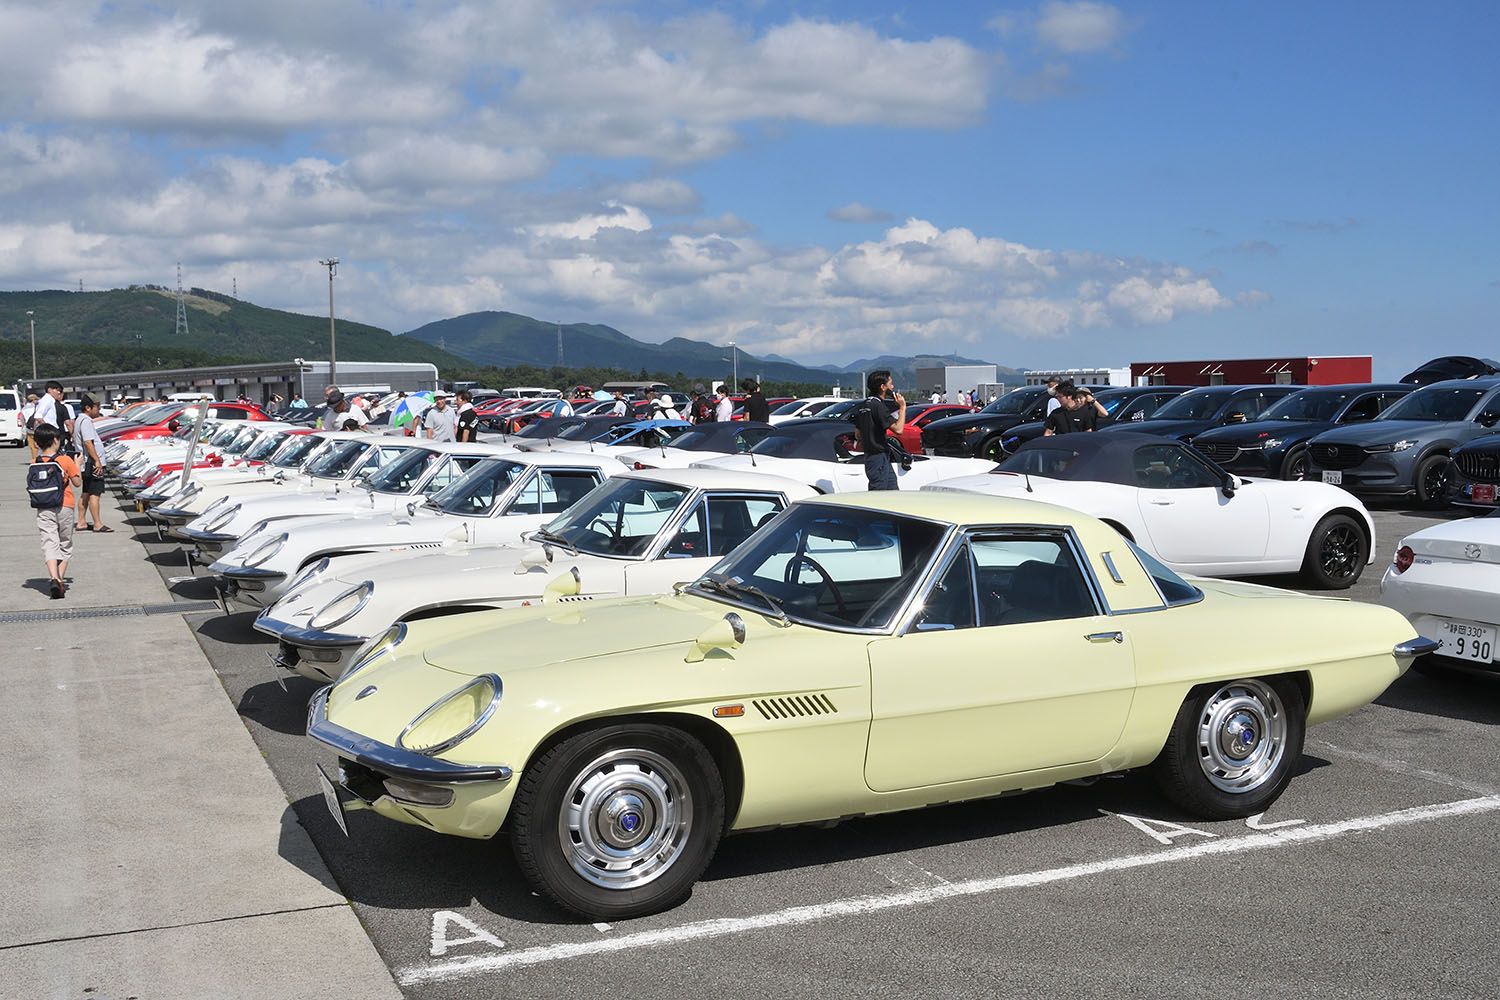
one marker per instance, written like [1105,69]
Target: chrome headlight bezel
[343,607]
[309,573]
[393,637]
[264,551]
[487,708]
[220,519]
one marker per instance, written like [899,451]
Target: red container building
[1336,370]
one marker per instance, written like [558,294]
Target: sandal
[102,528]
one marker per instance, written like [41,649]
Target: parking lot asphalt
[1370,877]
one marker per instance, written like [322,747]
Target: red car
[166,418]
[919,415]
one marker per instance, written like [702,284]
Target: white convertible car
[246,466]
[1186,511]
[494,502]
[638,533]
[821,452]
[1446,581]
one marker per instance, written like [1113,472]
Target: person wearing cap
[662,409]
[756,407]
[698,408]
[341,411]
[439,422]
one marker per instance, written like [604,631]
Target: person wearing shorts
[55,524]
[89,446]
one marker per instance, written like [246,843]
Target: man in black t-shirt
[1060,420]
[873,419]
[468,419]
[756,407]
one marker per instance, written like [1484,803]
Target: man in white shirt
[90,447]
[341,411]
[662,409]
[619,409]
[439,422]
[724,408]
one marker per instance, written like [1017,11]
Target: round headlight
[385,644]
[265,550]
[453,718]
[343,607]
[220,519]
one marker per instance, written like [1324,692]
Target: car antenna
[1027,477]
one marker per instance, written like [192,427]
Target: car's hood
[1386,431]
[1166,428]
[1259,430]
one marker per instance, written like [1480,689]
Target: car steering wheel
[817,567]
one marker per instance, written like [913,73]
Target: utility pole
[332,263]
[31,315]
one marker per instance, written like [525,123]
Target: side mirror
[173,426]
[1228,486]
[1488,418]
[1234,418]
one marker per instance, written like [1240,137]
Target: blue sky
[1053,184]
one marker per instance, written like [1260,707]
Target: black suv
[1192,413]
[1275,446]
[1123,404]
[978,435]
[1474,476]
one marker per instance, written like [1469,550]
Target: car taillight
[643,465]
[1403,558]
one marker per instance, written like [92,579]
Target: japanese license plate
[1333,477]
[1467,641]
[1482,492]
[331,799]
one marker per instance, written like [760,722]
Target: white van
[12,427]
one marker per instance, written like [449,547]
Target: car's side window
[1171,467]
[748,439]
[1028,579]
[949,603]
[552,491]
[1363,408]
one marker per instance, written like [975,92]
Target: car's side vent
[794,706]
[574,598]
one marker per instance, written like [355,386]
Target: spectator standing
[341,411]
[297,403]
[699,412]
[54,506]
[438,422]
[724,406]
[873,419]
[468,418]
[662,409]
[619,409]
[1088,410]
[28,417]
[1053,389]
[756,407]
[52,411]
[1060,420]
[90,448]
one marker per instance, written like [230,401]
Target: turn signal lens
[1404,557]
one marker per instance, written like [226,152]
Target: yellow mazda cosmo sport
[858,654]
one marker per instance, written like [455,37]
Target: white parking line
[723,927]
[1410,770]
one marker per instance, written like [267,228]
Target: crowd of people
[1071,409]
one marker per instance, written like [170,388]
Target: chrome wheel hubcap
[625,819]
[1242,736]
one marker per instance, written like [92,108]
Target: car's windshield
[338,460]
[294,452]
[787,443]
[619,518]
[402,474]
[1436,403]
[244,435]
[265,444]
[839,409]
[584,430]
[221,436]
[1199,404]
[1015,402]
[1309,404]
[481,488]
[1112,401]
[150,414]
[824,565]
[786,409]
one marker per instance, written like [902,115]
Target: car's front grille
[1337,456]
[1480,466]
[1223,454]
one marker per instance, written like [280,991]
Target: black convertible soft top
[717,436]
[1095,458]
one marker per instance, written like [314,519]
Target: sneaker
[57,590]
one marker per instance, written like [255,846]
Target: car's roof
[958,507]
[464,447]
[1098,458]
[723,479]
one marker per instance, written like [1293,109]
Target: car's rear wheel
[620,821]
[1432,480]
[1296,465]
[1233,747]
[1336,553]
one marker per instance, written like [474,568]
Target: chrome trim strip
[1109,563]
[251,573]
[300,635]
[1420,646]
[199,535]
[468,730]
[388,759]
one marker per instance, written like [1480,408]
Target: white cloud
[855,212]
[1080,26]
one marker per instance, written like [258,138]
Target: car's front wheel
[1432,480]
[1296,466]
[1233,747]
[620,821]
[992,449]
[1336,553]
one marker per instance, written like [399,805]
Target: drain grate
[122,611]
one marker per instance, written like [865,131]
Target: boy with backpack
[51,480]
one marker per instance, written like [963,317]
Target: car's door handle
[1104,636]
[1163,503]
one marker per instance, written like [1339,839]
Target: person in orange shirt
[55,522]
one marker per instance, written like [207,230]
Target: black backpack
[46,483]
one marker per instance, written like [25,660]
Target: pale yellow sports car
[858,654]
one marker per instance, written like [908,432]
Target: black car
[1474,476]
[980,435]
[1194,412]
[1450,367]
[1275,446]
[1122,404]
[729,437]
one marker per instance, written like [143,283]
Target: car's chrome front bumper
[388,760]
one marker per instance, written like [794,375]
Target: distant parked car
[981,435]
[1451,367]
[1444,579]
[1406,450]
[1122,405]
[1209,406]
[1275,446]
[1475,473]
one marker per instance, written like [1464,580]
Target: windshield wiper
[718,581]
[547,536]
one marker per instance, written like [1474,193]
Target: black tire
[1233,747]
[991,449]
[1431,480]
[1296,466]
[662,794]
[1337,551]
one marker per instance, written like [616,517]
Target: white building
[1080,376]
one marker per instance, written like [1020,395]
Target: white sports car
[638,533]
[822,453]
[1446,581]
[1186,511]
[494,502]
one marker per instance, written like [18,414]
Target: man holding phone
[873,419]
